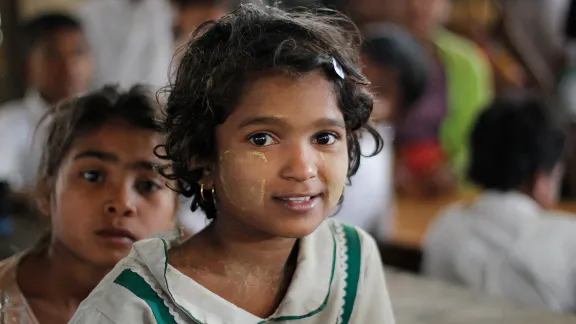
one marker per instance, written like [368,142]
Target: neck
[242,245]
[65,280]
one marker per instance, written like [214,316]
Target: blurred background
[435,67]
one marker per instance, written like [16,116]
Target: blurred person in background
[396,66]
[507,243]
[58,66]
[100,192]
[132,41]
[482,21]
[535,29]
[189,14]
[432,138]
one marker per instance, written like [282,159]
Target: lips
[299,203]
[116,236]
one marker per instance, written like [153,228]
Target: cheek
[72,212]
[334,170]
[242,178]
[157,214]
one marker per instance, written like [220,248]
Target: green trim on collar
[168,289]
[139,287]
[269,320]
[354,263]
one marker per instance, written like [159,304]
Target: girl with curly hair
[262,123]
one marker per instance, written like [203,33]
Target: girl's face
[106,195]
[282,157]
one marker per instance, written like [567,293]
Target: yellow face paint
[241,180]
[260,155]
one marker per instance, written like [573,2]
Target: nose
[121,203]
[300,163]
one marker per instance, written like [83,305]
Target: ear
[208,172]
[545,189]
[208,178]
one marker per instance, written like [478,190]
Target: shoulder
[118,297]
[462,53]
[354,240]
[448,41]
[554,227]
[448,217]
[13,111]
[8,270]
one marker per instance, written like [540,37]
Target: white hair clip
[338,68]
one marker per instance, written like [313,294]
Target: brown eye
[325,138]
[147,186]
[92,176]
[261,139]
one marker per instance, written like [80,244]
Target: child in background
[508,243]
[262,124]
[58,66]
[99,188]
[396,66]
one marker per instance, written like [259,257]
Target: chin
[296,228]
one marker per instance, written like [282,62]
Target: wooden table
[418,300]
[414,215]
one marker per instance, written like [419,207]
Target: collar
[316,264]
[508,204]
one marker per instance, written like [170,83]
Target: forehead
[120,138]
[300,98]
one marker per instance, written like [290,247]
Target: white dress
[339,278]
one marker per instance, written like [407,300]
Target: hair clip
[338,68]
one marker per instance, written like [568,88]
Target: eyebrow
[281,121]
[110,157]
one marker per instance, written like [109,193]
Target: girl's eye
[147,186]
[92,176]
[261,139]
[325,138]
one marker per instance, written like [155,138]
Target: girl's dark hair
[81,115]
[395,48]
[223,56]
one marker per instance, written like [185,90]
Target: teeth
[299,199]
[128,240]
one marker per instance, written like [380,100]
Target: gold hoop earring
[202,192]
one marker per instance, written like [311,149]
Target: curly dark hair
[223,56]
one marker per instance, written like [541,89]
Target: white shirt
[338,274]
[20,143]
[368,200]
[506,245]
[131,41]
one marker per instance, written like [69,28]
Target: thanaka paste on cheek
[237,177]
